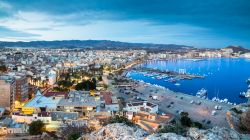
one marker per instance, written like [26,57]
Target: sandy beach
[174,102]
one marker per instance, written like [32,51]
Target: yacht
[177,84]
[202,93]
[245,94]
[248,81]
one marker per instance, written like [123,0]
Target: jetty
[172,74]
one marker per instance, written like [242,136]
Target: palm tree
[47,80]
[35,81]
[43,83]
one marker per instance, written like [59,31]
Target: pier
[172,74]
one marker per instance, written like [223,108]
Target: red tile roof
[107,97]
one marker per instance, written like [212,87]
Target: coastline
[211,83]
[174,102]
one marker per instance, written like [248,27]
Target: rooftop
[79,99]
[10,123]
[107,97]
[59,115]
[41,101]
[141,104]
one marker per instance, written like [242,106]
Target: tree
[86,85]
[185,120]
[173,128]
[105,86]
[73,136]
[93,84]
[245,120]
[73,131]
[64,84]
[118,119]
[79,86]
[3,68]
[100,78]
[197,125]
[36,127]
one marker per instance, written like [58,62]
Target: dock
[172,74]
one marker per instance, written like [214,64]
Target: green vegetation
[73,136]
[3,68]
[236,110]
[63,85]
[105,86]
[73,132]
[197,125]
[118,119]
[180,126]
[100,78]
[36,127]
[174,127]
[86,85]
[185,120]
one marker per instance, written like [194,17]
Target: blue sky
[211,23]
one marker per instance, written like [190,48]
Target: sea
[224,78]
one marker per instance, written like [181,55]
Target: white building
[44,117]
[52,77]
[141,107]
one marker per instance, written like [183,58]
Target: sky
[198,23]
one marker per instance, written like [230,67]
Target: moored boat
[202,93]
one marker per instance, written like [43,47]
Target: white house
[44,117]
[141,107]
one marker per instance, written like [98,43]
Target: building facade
[22,88]
[7,92]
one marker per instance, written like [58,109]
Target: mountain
[96,44]
[238,49]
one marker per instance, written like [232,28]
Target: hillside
[238,49]
[89,44]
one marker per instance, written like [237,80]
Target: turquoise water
[224,77]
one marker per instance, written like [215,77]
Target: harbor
[160,74]
[223,78]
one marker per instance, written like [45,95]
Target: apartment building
[7,92]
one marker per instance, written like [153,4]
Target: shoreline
[233,101]
[174,102]
[186,94]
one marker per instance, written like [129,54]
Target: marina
[223,78]
[173,75]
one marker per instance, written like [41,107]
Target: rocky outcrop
[166,136]
[120,131]
[215,133]
[117,131]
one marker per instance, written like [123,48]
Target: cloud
[6,32]
[160,21]
[5,5]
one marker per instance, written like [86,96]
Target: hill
[93,44]
[238,49]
